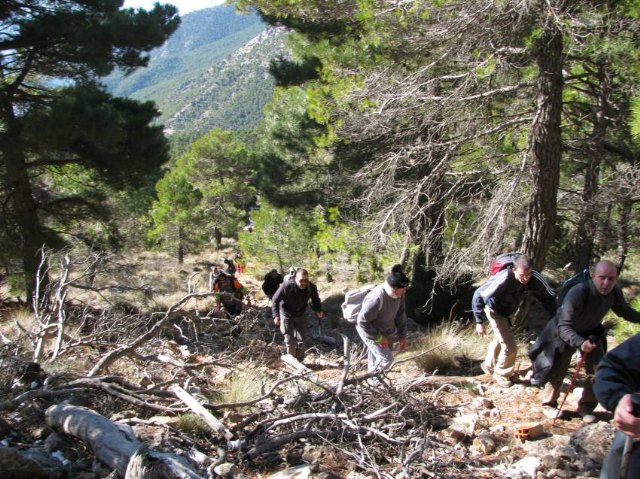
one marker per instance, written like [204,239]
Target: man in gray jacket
[383,315]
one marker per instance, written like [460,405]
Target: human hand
[276,321]
[624,419]
[383,342]
[404,344]
[480,329]
[319,314]
[587,346]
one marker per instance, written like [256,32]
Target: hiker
[272,281]
[498,300]
[239,257]
[217,236]
[231,266]
[579,327]
[289,308]
[616,386]
[291,274]
[213,275]
[382,316]
[232,294]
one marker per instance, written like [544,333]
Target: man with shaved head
[579,319]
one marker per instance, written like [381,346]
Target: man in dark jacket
[616,386]
[289,308]
[271,283]
[579,320]
[498,300]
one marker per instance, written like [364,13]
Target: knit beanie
[397,278]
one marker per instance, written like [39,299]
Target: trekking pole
[583,357]
[629,441]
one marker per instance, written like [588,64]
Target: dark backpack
[502,261]
[581,277]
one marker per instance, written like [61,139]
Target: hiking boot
[551,411]
[502,381]
[586,413]
[536,383]
[486,369]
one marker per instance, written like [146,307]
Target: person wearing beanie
[382,316]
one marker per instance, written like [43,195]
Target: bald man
[580,327]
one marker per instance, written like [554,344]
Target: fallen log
[212,421]
[112,445]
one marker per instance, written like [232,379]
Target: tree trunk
[115,446]
[22,205]
[586,230]
[623,234]
[546,147]
[180,245]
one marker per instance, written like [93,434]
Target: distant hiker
[231,266]
[617,384]
[291,274]
[239,257]
[232,294]
[578,325]
[217,236]
[213,275]
[498,300]
[272,281]
[289,308]
[382,316]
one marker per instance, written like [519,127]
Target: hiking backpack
[353,302]
[502,261]
[581,277]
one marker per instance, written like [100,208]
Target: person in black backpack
[272,281]
[231,266]
[498,300]
[579,327]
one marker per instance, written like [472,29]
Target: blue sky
[184,6]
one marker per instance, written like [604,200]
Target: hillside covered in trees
[212,73]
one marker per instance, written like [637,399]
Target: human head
[522,269]
[302,278]
[273,272]
[397,280]
[605,276]
[223,278]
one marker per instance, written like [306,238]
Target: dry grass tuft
[190,423]
[460,345]
[243,386]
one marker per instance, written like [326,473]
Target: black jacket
[618,373]
[293,300]
[502,292]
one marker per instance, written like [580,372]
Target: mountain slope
[229,95]
[204,76]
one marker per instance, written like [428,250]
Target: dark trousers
[294,329]
[588,401]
